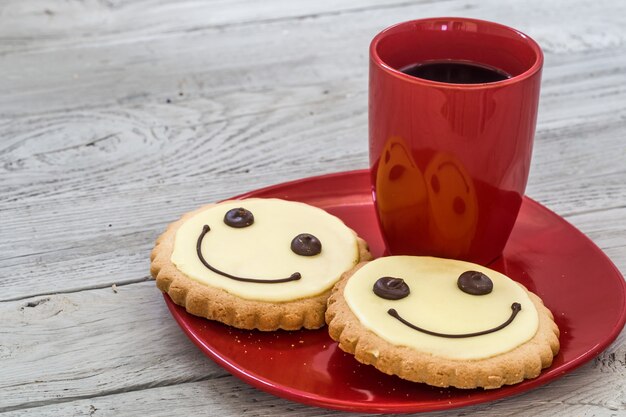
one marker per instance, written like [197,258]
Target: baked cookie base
[524,362]
[217,304]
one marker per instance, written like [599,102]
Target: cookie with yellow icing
[442,322]
[256,264]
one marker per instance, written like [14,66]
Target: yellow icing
[436,303]
[263,249]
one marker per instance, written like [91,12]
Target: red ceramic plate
[581,286]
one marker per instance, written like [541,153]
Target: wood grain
[228,396]
[129,343]
[93,70]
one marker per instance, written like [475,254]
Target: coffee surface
[455,72]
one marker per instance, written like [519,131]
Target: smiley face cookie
[257,263]
[443,322]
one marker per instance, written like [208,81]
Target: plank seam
[132,388]
[75,290]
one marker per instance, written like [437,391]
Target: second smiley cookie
[262,264]
[443,322]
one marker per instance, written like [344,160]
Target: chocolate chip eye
[238,218]
[391,288]
[474,283]
[306,244]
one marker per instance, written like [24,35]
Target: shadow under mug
[449,162]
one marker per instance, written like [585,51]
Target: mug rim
[376,59]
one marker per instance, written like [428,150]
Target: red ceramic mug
[449,161]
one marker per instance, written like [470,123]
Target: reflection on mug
[425,212]
[401,197]
[453,206]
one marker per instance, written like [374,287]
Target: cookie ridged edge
[217,304]
[524,362]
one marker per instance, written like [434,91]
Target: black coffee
[455,72]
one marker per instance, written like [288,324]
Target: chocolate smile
[515,307]
[294,277]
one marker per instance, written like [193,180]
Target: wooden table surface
[118,116]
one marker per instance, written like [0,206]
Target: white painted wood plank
[129,343]
[93,343]
[208,60]
[229,396]
[43,24]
